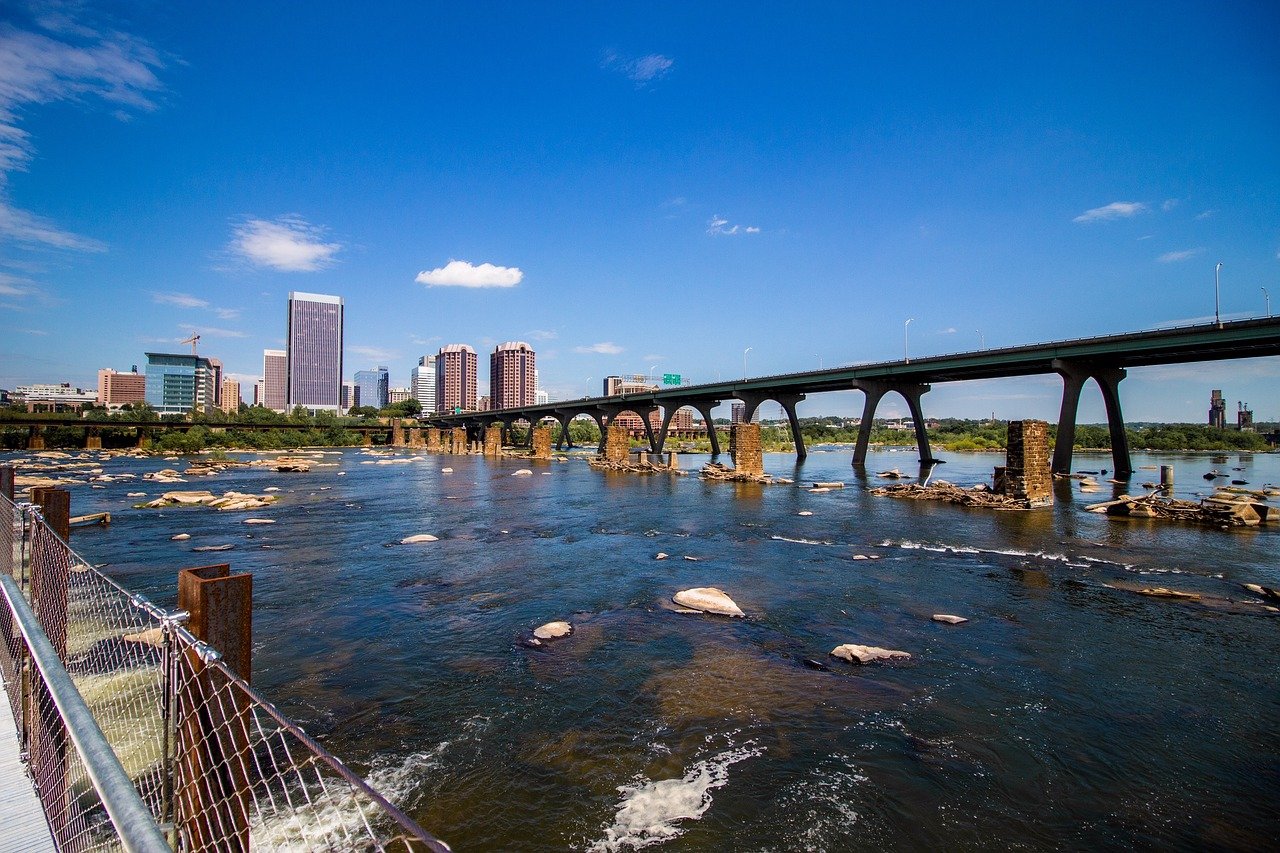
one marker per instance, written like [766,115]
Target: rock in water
[418,537]
[866,654]
[259,521]
[950,620]
[708,599]
[181,537]
[213,547]
[446,470]
[523,472]
[553,630]
[661,555]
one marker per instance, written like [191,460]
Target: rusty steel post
[212,791]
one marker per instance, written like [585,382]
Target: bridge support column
[752,401]
[668,412]
[704,408]
[1074,375]
[875,391]
[93,438]
[564,431]
[35,438]
[141,440]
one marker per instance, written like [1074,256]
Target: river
[1069,712]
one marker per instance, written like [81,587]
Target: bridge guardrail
[217,766]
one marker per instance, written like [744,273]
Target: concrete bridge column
[35,437]
[93,438]
[668,412]
[541,441]
[1074,376]
[873,391]
[704,407]
[366,438]
[141,439]
[493,440]
[912,394]
[564,418]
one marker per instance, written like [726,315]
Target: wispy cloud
[211,331]
[653,358]
[33,332]
[1169,204]
[542,335]
[604,348]
[1115,210]
[466,274]
[719,226]
[1176,257]
[374,353]
[422,342]
[641,70]
[30,229]
[950,330]
[66,62]
[12,285]
[1205,214]
[289,244]
[227,313]
[182,300]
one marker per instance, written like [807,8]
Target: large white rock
[708,599]
[948,618]
[523,472]
[419,537]
[181,537]
[866,654]
[259,521]
[553,630]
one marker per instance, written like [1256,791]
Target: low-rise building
[115,389]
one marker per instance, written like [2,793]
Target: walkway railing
[216,766]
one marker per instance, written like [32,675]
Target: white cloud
[542,335]
[1175,257]
[11,285]
[653,358]
[1115,210]
[377,354]
[38,69]
[1169,204]
[33,331]
[1205,214]
[211,331]
[28,228]
[642,70]
[604,348]
[182,300]
[950,330]
[719,226]
[465,274]
[227,313]
[289,244]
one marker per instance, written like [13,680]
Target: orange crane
[193,340]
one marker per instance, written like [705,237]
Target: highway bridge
[1103,359]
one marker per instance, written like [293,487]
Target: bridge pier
[1074,375]
[788,402]
[93,438]
[911,392]
[564,418]
[35,438]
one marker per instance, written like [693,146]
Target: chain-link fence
[216,765]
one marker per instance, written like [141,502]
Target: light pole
[744,362]
[982,339]
[589,378]
[819,355]
[1217,317]
[1267,297]
[905,357]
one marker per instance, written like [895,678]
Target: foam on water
[802,541]
[650,811]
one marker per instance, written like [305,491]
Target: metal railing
[209,760]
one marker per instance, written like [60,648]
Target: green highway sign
[671,379]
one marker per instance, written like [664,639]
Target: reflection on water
[1070,711]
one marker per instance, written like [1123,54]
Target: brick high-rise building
[275,372]
[314,348]
[455,378]
[230,400]
[513,376]
[116,389]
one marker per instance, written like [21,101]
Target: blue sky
[648,188]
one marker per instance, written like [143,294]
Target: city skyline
[665,190]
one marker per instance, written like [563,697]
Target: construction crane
[193,340]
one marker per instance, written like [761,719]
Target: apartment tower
[313,377]
[275,372]
[513,376]
[422,383]
[456,379]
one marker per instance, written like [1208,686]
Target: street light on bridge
[905,357]
[1266,296]
[589,378]
[744,362]
[1217,317]
[982,339]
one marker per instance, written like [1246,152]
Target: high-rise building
[215,382]
[422,382]
[230,401]
[314,348]
[737,412]
[116,389]
[398,395]
[178,384]
[373,385]
[349,396]
[259,392]
[540,396]
[456,378]
[275,379]
[513,381]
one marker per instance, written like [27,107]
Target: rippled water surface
[1068,712]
